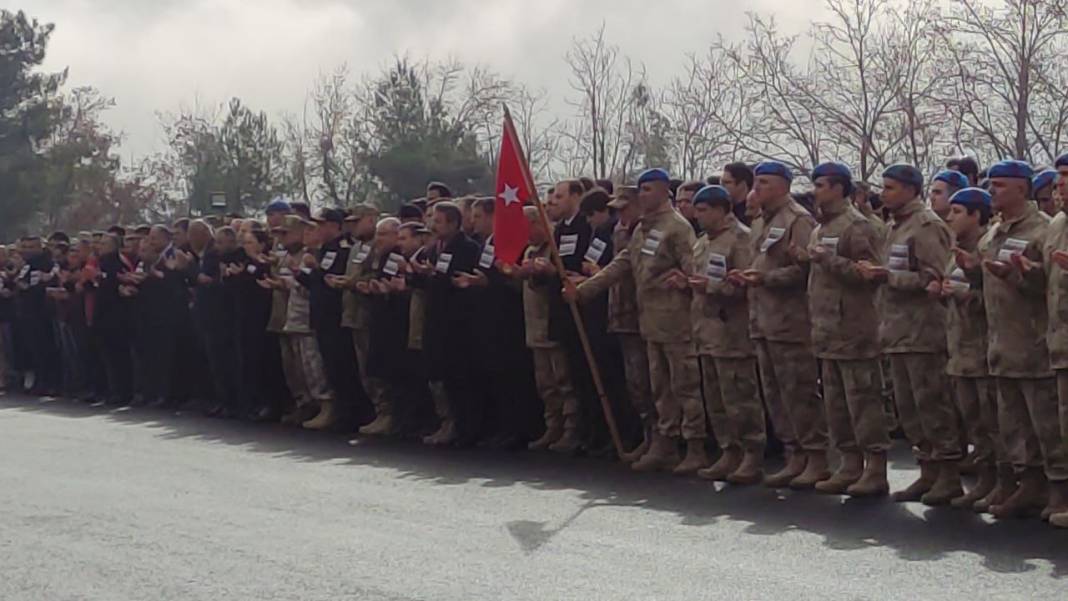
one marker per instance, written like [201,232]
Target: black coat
[449,344]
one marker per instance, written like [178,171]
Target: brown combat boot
[381,426]
[662,455]
[1058,500]
[967,465]
[751,471]
[1004,487]
[728,461]
[946,487]
[815,470]
[795,464]
[643,446]
[446,434]
[552,434]
[696,459]
[917,489]
[987,478]
[873,482]
[848,472]
[1059,520]
[568,444]
[1029,498]
[324,420]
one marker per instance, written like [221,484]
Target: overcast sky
[158,54]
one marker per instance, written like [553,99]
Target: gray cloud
[154,55]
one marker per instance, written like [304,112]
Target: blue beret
[1010,168]
[906,174]
[1062,161]
[833,170]
[1043,179]
[653,175]
[974,198]
[712,195]
[773,168]
[279,205]
[954,178]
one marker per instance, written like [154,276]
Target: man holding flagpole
[660,256]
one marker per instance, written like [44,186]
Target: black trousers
[339,363]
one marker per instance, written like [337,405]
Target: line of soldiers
[734,306]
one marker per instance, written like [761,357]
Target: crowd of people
[724,315]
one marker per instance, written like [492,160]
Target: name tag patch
[485,261]
[568,244]
[652,242]
[899,258]
[392,265]
[774,235]
[830,244]
[1012,246]
[596,250]
[444,261]
[717,267]
[328,260]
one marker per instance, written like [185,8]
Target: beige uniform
[974,390]
[721,331]
[551,373]
[1057,296]
[355,316]
[782,331]
[912,331]
[662,242]
[623,323]
[845,329]
[1017,355]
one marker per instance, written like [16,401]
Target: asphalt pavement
[148,505]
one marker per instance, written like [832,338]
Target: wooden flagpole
[595,373]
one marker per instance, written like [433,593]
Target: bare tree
[604,82]
[1006,65]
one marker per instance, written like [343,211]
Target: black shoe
[265,414]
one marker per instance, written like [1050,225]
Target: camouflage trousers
[924,407]
[788,376]
[852,395]
[377,389]
[636,373]
[675,377]
[1030,424]
[553,381]
[977,401]
[732,402]
[302,365]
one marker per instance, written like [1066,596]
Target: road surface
[148,505]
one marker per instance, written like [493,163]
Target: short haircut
[226,231]
[965,165]
[166,230]
[410,211]
[182,224]
[712,180]
[414,228]
[607,185]
[118,230]
[441,189]
[845,182]
[984,213]
[389,220]
[587,183]
[261,236]
[740,172]
[486,204]
[302,209]
[594,201]
[574,186]
[691,186]
[452,213]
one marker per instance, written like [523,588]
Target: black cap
[330,216]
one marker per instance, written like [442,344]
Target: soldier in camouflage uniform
[845,335]
[728,359]
[660,250]
[623,323]
[1055,258]
[1014,287]
[912,331]
[777,285]
[966,335]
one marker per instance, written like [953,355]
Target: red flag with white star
[514,188]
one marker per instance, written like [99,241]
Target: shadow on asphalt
[915,533]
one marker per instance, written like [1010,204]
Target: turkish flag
[514,187]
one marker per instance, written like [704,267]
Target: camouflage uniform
[974,390]
[1057,295]
[783,332]
[551,374]
[663,241]
[291,370]
[912,332]
[1017,318]
[623,323]
[720,327]
[301,351]
[356,317]
[845,329]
